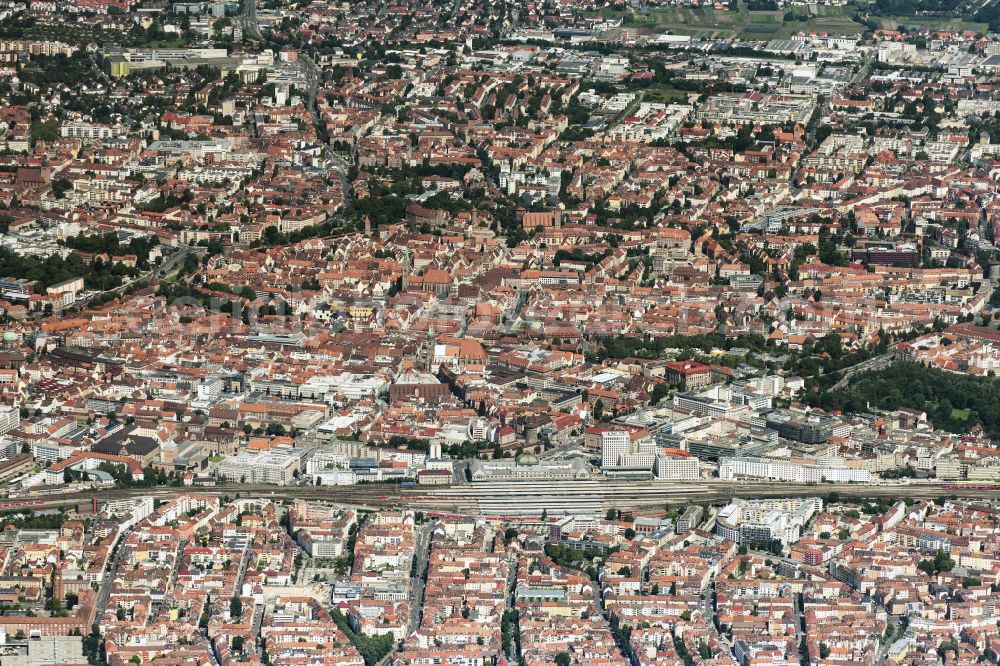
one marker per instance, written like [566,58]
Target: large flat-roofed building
[690,519]
[527,468]
[833,470]
[16,286]
[10,418]
[345,386]
[765,521]
[70,286]
[622,446]
[810,430]
[277,467]
[41,651]
[675,466]
[85,131]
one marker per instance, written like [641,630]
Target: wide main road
[513,499]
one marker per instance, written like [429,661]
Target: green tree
[658,393]
[45,130]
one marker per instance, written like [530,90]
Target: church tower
[406,268]
[429,348]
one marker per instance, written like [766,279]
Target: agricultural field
[664,93]
[937,23]
[709,23]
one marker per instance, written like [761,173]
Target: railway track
[517,499]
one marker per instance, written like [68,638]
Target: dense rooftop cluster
[197,579]
[484,332]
